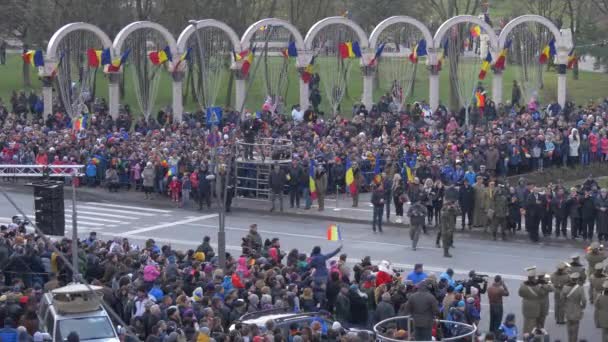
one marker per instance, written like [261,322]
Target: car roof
[59,316]
[278,316]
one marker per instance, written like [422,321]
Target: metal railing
[381,327]
[10,170]
[264,149]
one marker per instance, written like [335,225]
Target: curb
[94,195]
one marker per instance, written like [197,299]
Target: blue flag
[214,116]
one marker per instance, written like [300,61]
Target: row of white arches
[304,45]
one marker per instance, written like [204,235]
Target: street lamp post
[75,273]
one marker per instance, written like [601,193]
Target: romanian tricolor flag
[350,177]
[247,57]
[81,123]
[485,66]
[475,31]
[409,175]
[93,58]
[160,57]
[480,99]
[548,52]
[572,59]
[184,57]
[118,62]
[333,233]
[349,50]
[308,71]
[502,57]
[311,180]
[377,171]
[33,57]
[377,55]
[172,171]
[292,50]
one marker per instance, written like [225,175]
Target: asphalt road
[185,229]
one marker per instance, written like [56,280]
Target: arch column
[497,86]
[368,72]
[433,78]
[113,93]
[303,59]
[561,60]
[240,88]
[177,89]
[47,95]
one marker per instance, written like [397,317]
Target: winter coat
[423,307]
[276,180]
[148,175]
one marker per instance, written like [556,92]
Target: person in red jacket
[385,273]
[174,188]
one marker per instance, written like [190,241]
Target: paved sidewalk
[340,211]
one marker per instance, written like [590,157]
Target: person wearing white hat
[573,295]
[530,295]
[600,315]
[559,279]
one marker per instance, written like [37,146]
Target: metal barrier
[407,321]
[9,170]
[264,150]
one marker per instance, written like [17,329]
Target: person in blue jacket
[91,173]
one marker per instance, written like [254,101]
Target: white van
[74,308]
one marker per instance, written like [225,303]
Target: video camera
[479,278]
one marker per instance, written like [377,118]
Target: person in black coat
[560,211]
[514,211]
[573,207]
[276,180]
[588,214]
[533,214]
[466,199]
[204,187]
[546,212]
[294,174]
[358,306]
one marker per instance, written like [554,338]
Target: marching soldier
[417,213]
[544,288]
[601,311]
[559,279]
[498,210]
[596,280]
[595,255]
[449,212]
[530,295]
[577,267]
[575,303]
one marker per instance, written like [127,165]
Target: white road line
[353,260]
[104,214]
[90,218]
[130,207]
[115,210]
[68,219]
[166,225]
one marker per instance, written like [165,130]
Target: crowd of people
[162,294]
[410,148]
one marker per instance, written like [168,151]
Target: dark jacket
[466,197]
[588,208]
[423,307]
[276,180]
[378,198]
[295,175]
[384,310]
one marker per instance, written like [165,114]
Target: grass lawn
[589,86]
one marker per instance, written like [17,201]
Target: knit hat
[199,256]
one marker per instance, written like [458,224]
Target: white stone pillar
[240,86]
[497,86]
[561,61]
[113,94]
[304,95]
[368,72]
[561,89]
[47,96]
[178,106]
[434,87]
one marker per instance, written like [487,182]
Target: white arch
[319,25]
[398,19]
[443,29]
[51,50]
[297,36]
[182,40]
[504,34]
[121,37]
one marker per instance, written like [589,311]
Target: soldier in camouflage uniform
[601,311]
[498,210]
[449,212]
[530,295]
[595,282]
[559,279]
[574,298]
